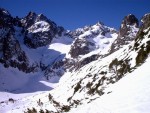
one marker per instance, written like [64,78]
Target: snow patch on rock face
[39,27]
[132,33]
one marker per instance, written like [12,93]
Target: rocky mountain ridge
[38,31]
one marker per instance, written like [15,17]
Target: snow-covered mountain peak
[101,26]
[91,38]
[99,23]
[39,30]
[33,18]
[41,17]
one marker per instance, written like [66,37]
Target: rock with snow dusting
[128,30]
[39,30]
[90,38]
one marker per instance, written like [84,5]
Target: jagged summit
[11,53]
[130,20]
[99,23]
[39,30]
[33,17]
[5,18]
[4,12]
[32,31]
[127,32]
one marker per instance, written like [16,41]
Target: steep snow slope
[62,44]
[129,95]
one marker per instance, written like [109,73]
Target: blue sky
[72,14]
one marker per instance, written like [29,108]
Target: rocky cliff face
[142,44]
[145,22]
[11,53]
[128,30]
